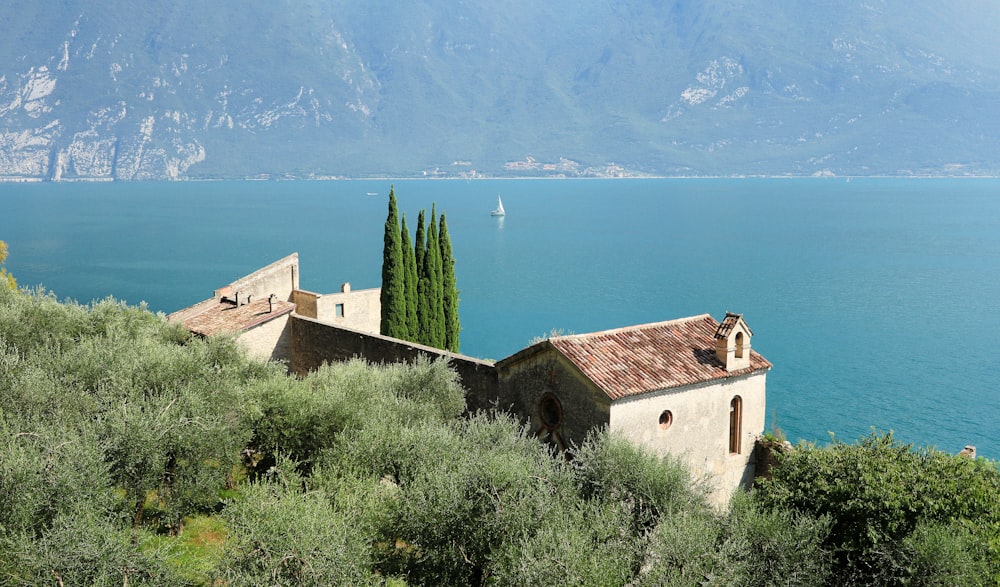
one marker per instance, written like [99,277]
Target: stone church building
[691,387]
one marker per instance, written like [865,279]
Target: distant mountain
[309,88]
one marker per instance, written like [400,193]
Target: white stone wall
[362,309]
[699,432]
[279,278]
[270,340]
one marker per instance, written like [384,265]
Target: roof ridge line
[634,327]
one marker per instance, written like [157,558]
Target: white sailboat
[499,211]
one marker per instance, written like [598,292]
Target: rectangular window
[340,310]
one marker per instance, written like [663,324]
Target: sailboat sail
[499,211]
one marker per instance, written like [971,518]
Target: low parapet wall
[315,343]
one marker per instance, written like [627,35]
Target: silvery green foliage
[83,547]
[110,427]
[302,418]
[747,546]
[609,467]
[281,535]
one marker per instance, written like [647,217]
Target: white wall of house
[359,310]
[699,430]
[269,340]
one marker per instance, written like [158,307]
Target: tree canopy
[393,295]
[132,452]
[429,295]
[6,279]
[897,514]
[449,290]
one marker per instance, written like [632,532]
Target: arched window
[735,424]
[739,345]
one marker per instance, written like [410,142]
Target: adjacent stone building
[258,309]
[691,387]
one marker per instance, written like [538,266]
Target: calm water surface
[876,299]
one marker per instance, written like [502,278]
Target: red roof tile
[650,357]
[728,323]
[214,317]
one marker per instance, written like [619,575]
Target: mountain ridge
[467,89]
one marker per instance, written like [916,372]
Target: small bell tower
[732,342]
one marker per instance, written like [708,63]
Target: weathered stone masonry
[691,387]
[314,343]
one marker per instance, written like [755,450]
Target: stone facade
[314,343]
[354,309]
[280,278]
[270,340]
[692,387]
[558,402]
[698,427]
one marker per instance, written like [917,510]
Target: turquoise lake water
[877,300]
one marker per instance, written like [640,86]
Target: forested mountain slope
[178,90]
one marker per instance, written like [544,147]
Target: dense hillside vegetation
[131,453]
[429,88]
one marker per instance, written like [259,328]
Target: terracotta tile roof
[728,323]
[214,317]
[650,357]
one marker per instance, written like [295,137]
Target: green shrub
[760,546]
[610,467]
[876,494]
[464,491]
[303,418]
[681,551]
[48,470]
[280,535]
[583,543]
[83,547]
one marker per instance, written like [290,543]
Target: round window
[666,419]
[550,411]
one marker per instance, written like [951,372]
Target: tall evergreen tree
[424,311]
[450,289]
[410,287]
[419,292]
[420,241]
[393,296]
[436,291]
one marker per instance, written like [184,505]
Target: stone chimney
[345,287]
[224,294]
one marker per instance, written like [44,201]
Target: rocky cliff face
[131,91]
[99,95]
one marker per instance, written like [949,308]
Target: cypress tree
[393,295]
[420,241]
[410,283]
[436,290]
[424,311]
[450,289]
